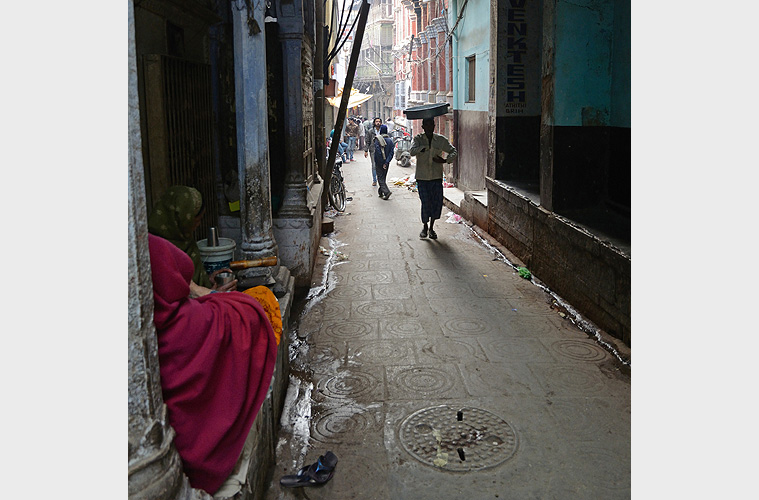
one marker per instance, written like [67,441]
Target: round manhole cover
[458,439]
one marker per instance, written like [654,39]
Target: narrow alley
[433,370]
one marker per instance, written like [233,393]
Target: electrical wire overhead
[342,35]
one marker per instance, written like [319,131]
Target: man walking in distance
[383,153]
[431,151]
[371,133]
[351,133]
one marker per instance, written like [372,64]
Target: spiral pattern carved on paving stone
[350,292]
[424,380]
[379,308]
[467,326]
[350,329]
[372,277]
[579,350]
[345,424]
[348,384]
[385,351]
[404,327]
[448,351]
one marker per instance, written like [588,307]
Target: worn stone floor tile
[570,379]
[441,381]
[585,418]
[324,357]
[377,277]
[334,423]
[488,379]
[333,309]
[351,292]
[383,352]
[351,329]
[466,325]
[409,328]
[443,290]
[359,383]
[383,308]
[576,349]
[400,291]
[508,349]
[447,350]
[427,276]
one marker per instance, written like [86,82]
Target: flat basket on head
[426,111]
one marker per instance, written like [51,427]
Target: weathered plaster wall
[472,144]
[471,117]
[621,66]
[582,78]
[586,147]
[473,39]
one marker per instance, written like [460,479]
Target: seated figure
[217,354]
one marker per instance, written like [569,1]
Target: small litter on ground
[453,218]
[524,273]
[409,182]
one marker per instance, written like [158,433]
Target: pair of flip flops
[315,474]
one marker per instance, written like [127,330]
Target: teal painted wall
[473,38]
[621,66]
[592,63]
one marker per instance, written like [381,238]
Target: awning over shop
[356,98]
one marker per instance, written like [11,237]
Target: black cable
[340,28]
[341,41]
[337,49]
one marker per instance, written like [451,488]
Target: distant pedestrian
[383,153]
[371,132]
[390,124]
[431,151]
[351,134]
[361,133]
[341,147]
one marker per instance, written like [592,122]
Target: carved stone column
[253,143]
[294,203]
[155,469]
[294,224]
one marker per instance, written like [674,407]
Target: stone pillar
[155,468]
[294,224]
[290,19]
[257,236]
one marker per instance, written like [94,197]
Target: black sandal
[433,235]
[315,474]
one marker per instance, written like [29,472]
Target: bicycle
[337,187]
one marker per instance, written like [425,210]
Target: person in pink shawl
[216,354]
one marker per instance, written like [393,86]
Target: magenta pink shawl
[217,356]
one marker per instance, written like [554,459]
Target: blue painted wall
[592,63]
[621,66]
[473,38]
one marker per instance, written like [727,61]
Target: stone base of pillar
[256,276]
[298,239]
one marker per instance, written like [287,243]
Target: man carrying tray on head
[431,151]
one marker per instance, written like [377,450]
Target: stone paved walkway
[434,371]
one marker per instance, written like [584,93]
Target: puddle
[329,281]
[296,416]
